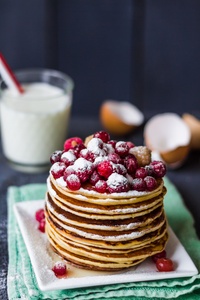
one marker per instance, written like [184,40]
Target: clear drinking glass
[35,124]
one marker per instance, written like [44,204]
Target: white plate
[43,258]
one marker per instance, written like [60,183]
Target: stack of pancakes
[105,231]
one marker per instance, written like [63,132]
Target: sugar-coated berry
[68,171]
[105,168]
[138,184]
[58,169]
[39,215]
[56,156]
[41,226]
[120,169]
[68,158]
[165,264]
[131,164]
[103,135]
[72,142]
[115,158]
[150,171]
[73,182]
[59,268]
[117,183]
[83,168]
[112,142]
[140,173]
[88,155]
[159,168]
[156,256]
[150,183]
[78,148]
[130,144]
[122,149]
[83,175]
[101,186]
[94,177]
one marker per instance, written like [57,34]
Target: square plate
[43,258]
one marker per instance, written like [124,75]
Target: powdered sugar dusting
[50,189]
[115,180]
[56,167]
[69,156]
[95,145]
[61,182]
[82,164]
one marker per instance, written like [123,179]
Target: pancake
[99,208]
[110,226]
[105,260]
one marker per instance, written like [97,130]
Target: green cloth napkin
[22,283]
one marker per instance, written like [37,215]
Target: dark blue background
[145,52]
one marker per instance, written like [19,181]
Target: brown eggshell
[194,125]
[169,136]
[176,156]
[116,124]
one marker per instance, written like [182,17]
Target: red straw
[8,75]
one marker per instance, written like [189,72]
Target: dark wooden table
[186,179]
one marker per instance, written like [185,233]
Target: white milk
[34,125]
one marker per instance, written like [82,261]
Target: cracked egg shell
[194,125]
[120,117]
[168,136]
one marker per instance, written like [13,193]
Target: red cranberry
[55,157]
[115,158]
[88,155]
[41,226]
[138,184]
[73,182]
[83,168]
[150,171]
[83,175]
[150,183]
[59,268]
[108,148]
[103,135]
[130,144]
[78,148]
[112,142]
[131,164]
[140,173]
[159,168]
[162,254]
[39,215]
[95,177]
[117,183]
[72,142]
[165,264]
[105,168]
[68,171]
[101,186]
[122,149]
[129,156]
[120,169]
[58,169]
[68,158]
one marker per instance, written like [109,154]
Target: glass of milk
[34,124]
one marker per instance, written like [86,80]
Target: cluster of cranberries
[163,263]
[40,217]
[106,164]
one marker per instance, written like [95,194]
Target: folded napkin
[22,283]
